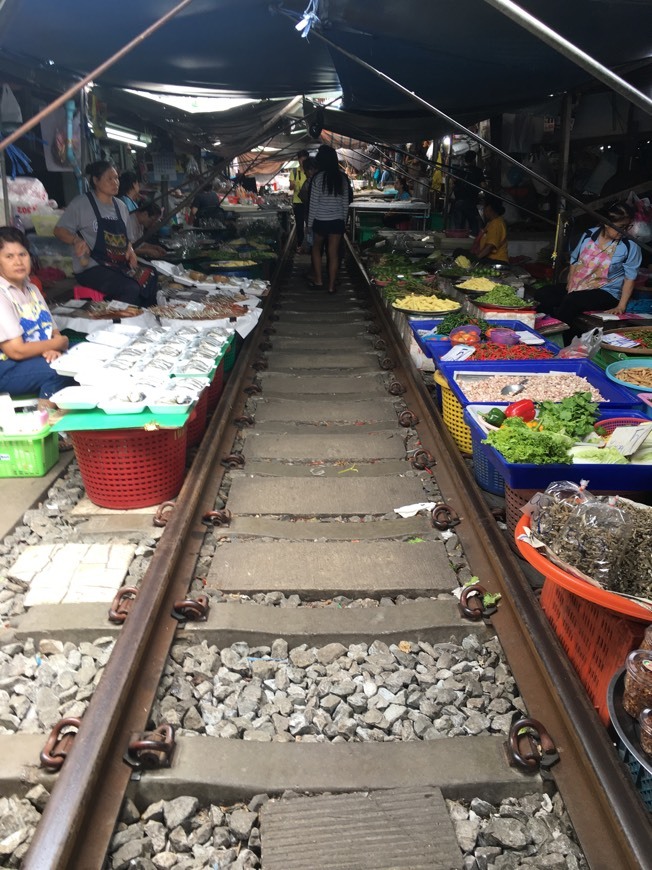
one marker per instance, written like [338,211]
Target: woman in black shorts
[327,214]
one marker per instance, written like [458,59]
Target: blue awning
[461,55]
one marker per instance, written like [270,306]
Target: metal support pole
[563,223]
[572,52]
[5,190]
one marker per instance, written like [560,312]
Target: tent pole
[563,223]
[572,52]
[457,126]
[5,190]
[93,75]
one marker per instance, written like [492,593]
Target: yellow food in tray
[426,303]
[463,262]
[480,284]
[233,264]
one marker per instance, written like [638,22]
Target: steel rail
[607,813]
[81,813]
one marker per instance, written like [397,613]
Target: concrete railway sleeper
[292,677]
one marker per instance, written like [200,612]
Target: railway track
[320,598]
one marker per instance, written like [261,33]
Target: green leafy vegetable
[503,294]
[573,416]
[451,321]
[600,455]
[518,443]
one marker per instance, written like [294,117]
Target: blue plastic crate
[615,396]
[524,475]
[485,474]
[437,347]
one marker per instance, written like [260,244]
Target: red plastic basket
[595,640]
[196,425]
[131,468]
[214,391]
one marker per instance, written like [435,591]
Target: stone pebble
[376,692]
[532,831]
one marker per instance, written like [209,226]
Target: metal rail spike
[234,460]
[162,514]
[191,609]
[396,388]
[59,743]
[444,517]
[530,746]
[387,363]
[422,459]
[149,750]
[217,518]
[253,390]
[122,604]
[408,418]
[472,605]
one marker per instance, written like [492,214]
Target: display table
[419,211]
[130,461]
[82,322]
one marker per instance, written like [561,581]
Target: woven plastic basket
[596,640]
[453,415]
[214,391]
[196,425]
[125,469]
[485,474]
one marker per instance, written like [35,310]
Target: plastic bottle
[18,222]
[638,682]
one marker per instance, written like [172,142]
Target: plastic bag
[584,347]
[549,510]
[593,541]
[26,196]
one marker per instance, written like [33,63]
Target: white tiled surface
[72,573]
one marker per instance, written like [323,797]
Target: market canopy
[463,56]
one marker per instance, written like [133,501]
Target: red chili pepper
[525,409]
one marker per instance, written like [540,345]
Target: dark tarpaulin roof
[461,55]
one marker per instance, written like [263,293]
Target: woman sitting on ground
[29,340]
[96,225]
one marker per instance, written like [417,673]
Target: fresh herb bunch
[574,416]
[518,443]
[451,321]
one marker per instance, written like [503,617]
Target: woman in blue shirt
[603,268]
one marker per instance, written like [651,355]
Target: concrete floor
[18,494]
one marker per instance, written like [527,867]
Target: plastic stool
[80,292]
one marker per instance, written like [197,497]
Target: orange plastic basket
[596,641]
[125,469]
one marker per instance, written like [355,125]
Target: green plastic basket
[28,455]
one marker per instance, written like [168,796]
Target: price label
[459,352]
[618,340]
[529,337]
